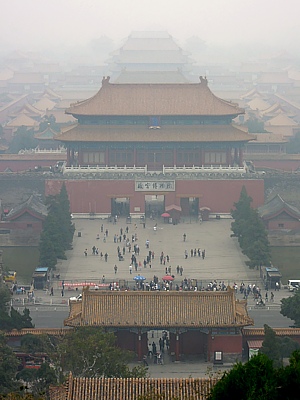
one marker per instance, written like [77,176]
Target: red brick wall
[273,224]
[94,196]
[231,344]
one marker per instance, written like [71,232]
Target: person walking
[130,269]
[184,237]
[116,269]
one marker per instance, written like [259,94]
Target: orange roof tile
[282,120]
[133,388]
[154,99]
[141,133]
[38,331]
[158,309]
[278,331]
[22,120]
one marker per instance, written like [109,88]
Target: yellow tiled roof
[133,388]
[38,331]
[167,133]
[22,120]
[154,100]
[278,331]
[158,309]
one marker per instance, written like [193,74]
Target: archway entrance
[190,206]
[158,342]
[154,205]
[120,206]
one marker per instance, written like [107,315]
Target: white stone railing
[144,170]
[97,168]
[61,150]
[203,168]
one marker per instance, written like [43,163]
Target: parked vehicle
[76,298]
[293,285]
[10,277]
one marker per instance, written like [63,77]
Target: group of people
[153,352]
[127,243]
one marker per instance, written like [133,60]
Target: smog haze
[34,25]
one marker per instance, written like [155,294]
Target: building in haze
[140,143]
[150,57]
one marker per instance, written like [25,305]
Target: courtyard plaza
[223,262]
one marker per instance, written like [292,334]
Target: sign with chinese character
[155,186]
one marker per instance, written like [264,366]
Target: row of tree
[9,317]
[58,230]
[250,231]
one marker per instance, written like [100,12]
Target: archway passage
[190,206]
[154,205]
[120,206]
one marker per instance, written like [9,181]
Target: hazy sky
[30,24]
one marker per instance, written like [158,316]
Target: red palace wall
[292,224]
[229,345]
[94,196]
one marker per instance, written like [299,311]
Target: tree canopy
[22,139]
[293,146]
[58,230]
[255,126]
[258,379]
[90,352]
[9,317]
[290,307]
[276,348]
[49,122]
[250,231]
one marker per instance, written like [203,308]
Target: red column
[241,157]
[177,346]
[68,157]
[139,346]
[228,157]
[175,156]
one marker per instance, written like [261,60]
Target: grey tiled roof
[275,207]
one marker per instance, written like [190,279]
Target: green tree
[293,146]
[38,380]
[33,344]
[250,231]
[254,380]
[289,378]
[21,321]
[89,352]
[255,126]
[49,122]
[241,213]
[58,230]
[67,225]
[8,367]
[271,346]
[22,139]
[9,317]
[290,307]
